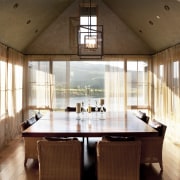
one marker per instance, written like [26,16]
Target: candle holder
[78,110]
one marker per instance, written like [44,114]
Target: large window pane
[78,82]
[132,79]
[61,75]
[58,84]
[115,86]
[142,83]
[175,86]
[137,83]
[40,81]
[18,86]
[2,88]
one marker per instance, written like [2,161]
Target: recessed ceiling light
[28,22]
[166,7]
[15,5]
[36,31]
[151,23]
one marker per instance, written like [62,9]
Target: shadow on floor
[148,172]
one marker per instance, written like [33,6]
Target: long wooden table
[65,124]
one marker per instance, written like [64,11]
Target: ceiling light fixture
[36,31]
[15,5]
[166,7]
[28,21]
[90,36]
[151,23]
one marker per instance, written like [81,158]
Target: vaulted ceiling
[130,26]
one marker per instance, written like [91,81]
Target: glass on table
[78,110]
[102,108]
[83,110]
[96,107]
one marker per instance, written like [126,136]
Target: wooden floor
[12,167]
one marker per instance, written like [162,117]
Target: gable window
[89,33]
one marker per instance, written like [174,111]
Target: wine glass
[102,108]
[96,107]
[83,110]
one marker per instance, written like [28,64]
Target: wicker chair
[60,160]
[151,147]
[38,116]
[118,160]
[70,109]
[30,143]
[142,115]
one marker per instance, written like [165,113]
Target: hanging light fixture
[90,35]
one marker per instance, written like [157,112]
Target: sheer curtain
[114,85]
[3,75]
[127,83]
[123,84]
[11,71]
[166,80]
[40,83]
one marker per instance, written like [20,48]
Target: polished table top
[65,124]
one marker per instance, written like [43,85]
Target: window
[175,86]
[137,83]
[57,84]
[115,85]
[40,83]
[90,34]
[78,82]
[87,32]
[88,28]
[2,88]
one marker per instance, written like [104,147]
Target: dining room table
[94,124]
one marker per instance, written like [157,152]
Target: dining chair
[152,147]
[30,143]
[70,109]
[38,116]
[60,160]
[142,115]
[118,160]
